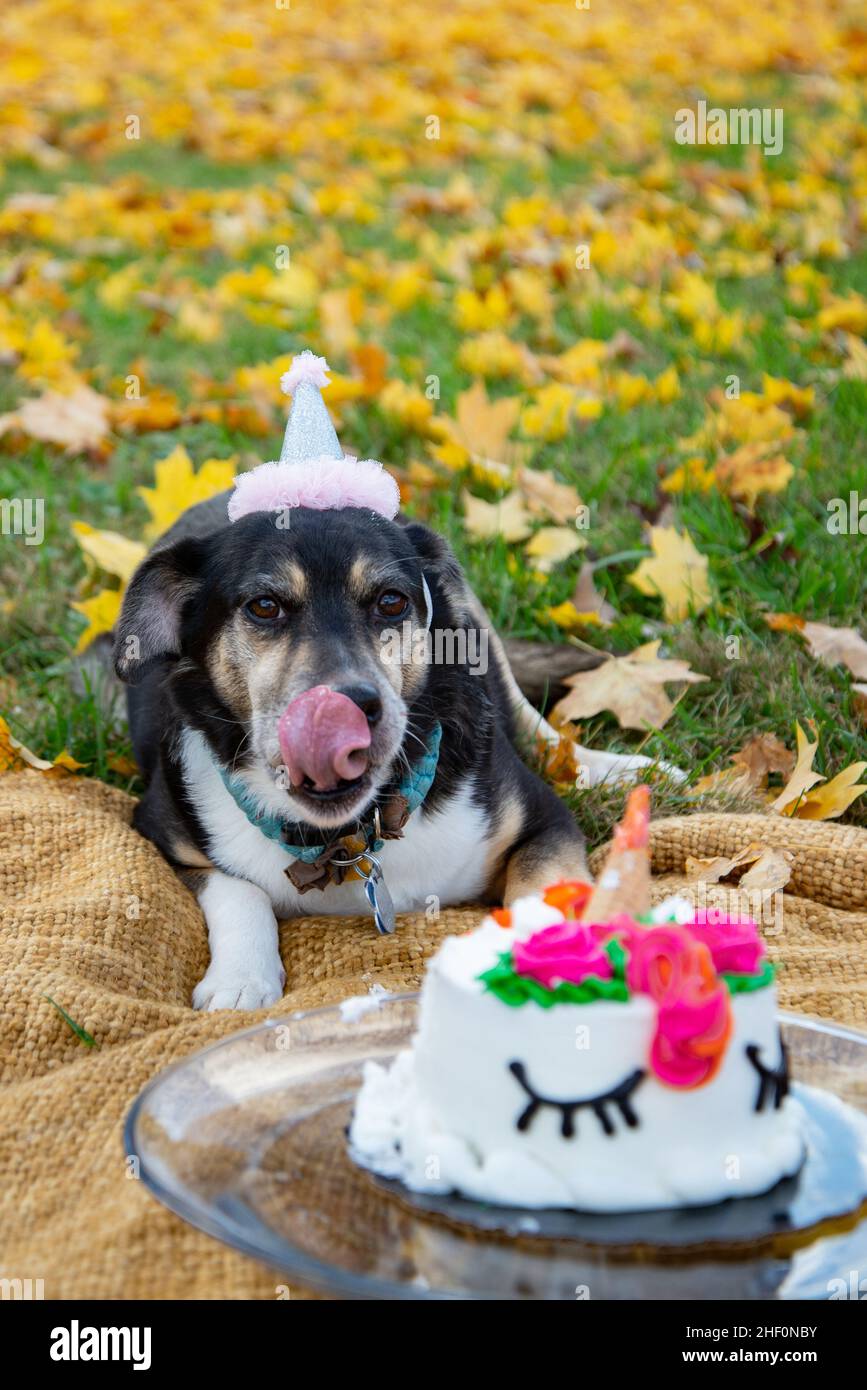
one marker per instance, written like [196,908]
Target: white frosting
[443,1116]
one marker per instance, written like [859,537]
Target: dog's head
[281,634]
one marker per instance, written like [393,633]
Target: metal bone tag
[379,898]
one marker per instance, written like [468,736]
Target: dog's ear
[149,627]
[444,575]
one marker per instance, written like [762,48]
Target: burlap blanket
[92,916]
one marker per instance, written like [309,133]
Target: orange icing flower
[570,896]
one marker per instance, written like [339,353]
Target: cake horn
[623,885]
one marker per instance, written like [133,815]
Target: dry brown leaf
[546,497]
[631,687]
[78,422]
[712,870]
[762,754]
[837,646]
[859,693]
[587,599]
[771,871]
[833,646]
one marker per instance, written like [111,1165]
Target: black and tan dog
[273,712]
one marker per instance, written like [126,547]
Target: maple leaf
[482,427]
[631,687]
[587,600]
[178,486]
[507,518]
[78,421]
[677,573]
[110,551]
[15,756]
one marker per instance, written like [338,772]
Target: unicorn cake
[581,1050]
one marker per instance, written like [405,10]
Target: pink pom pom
[322,484]
[306,367]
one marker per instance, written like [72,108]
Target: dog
[281,731]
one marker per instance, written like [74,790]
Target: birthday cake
[582,1050]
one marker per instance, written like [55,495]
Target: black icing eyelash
[619,1096]
[772,1081]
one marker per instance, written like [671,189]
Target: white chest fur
[440,860]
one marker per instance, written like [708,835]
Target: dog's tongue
[324,736]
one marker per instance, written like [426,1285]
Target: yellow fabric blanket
[91,916]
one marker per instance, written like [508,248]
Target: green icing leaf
[618,957]
[744,984]
[514,989]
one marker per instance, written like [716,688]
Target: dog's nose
[367,699]
[324,738]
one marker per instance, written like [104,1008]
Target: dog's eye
[391,604]
[263,609]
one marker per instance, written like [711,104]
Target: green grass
[782,560]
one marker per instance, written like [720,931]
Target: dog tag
[379,898]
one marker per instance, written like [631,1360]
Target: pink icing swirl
[693,1019]
[734,945]
[569,951]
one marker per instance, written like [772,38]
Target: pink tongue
[324,736]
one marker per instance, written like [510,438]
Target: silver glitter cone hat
[309,431]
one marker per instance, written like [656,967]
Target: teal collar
[413,787]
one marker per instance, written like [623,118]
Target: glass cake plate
[247,1141]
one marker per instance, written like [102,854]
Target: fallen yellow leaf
[15,756]
[178,486]
[553,544]
[677,573]
[802,779]
[750,471]
[110,551]
[101,611]
[507,518]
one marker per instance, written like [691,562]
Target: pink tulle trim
[322,484]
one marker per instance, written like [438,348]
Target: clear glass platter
[247,1141]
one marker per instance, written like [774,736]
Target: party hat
[313,470]
[309,431]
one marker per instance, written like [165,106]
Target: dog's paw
[637,762]
[614,768]
[221,989]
